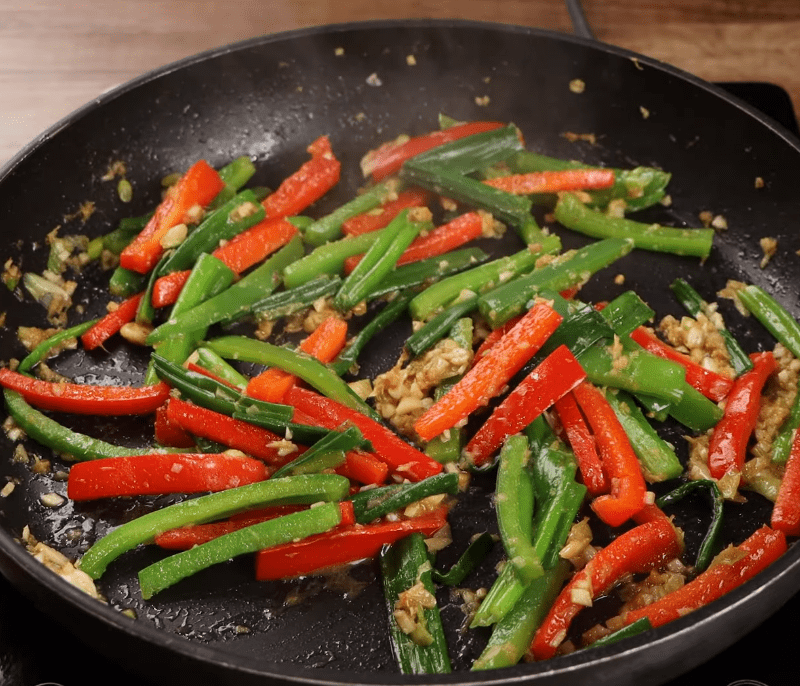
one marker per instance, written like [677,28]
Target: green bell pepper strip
[782,443]
[309,369]
[306,489]
[125,282]
[695,305]
[388,314]
[378,261]
[208,278]
[374,503]
[472,556]
[234,175]
[640,187]
[250,539]
[327,453]
[329,227]
[146,311]
[575,215]
[127,229]
[514,502]
[404,564]
[436,328]
[571,268]
[773,316]
[287,302]
[711,541]
[234,302]
[41,351]
[472,153]
[222,224]
[328,258]
[633,629]
[553,469]
[657,458]
[210,361]
[480,278]
[687,406]
[60,439]
[627,312]
[512,635]
[428,271]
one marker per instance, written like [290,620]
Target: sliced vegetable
[491,373]
[628,489]
[728,444]
[341,546]
[85,398]
[308,184]
[305,489]
[198,186]
[291,527]
[759,550]
[554,377]
[642,548]
[158,474]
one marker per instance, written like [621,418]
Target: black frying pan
[269,98]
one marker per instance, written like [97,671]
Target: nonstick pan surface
[269,98]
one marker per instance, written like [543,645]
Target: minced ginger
[403,393]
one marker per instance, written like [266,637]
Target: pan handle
[579,22]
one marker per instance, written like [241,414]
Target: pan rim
[211,53]
[778,575]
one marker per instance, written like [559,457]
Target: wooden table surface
[56,55]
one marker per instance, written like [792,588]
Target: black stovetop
[766,657]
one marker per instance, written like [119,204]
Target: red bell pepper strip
[170,434]
[363,467]
[494,336]
[161,473]
[308,184]
[342,545]
[234,433]
[620,464]
[374,220]
[554,181]
[324,344]
[389,157]
[167,288]
[402,458]
[580,439]
[760,550]
[254,244]
[111,323]
[85,398]
[198,186]
[491,373]
[727,447]
[238,254]
[441,240]
[711,384]
[555,376]
[786,511]
[645,547]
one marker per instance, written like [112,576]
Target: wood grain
[57,55]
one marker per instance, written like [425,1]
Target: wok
[268,98]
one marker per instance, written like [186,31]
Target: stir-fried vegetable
[254,321]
